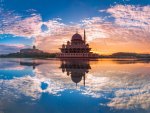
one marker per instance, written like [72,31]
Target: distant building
[31,51]
[77,48]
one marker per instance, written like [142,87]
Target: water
[74,86]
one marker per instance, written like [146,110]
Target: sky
[111,25]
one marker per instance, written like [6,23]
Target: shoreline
[119,58]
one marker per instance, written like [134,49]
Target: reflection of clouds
[130,88]
[13,68]
[95,86]
[129,91]
[132,98]
[6,64]
[27,85]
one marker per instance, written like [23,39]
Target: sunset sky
[111,25]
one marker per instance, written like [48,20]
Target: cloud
[15,24]
[131,36]
[130,29]
[10,48]
[131,16]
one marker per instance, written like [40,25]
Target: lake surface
[74,86]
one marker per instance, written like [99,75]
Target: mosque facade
[76,48]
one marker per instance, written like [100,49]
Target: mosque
[77,48]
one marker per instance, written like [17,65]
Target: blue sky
[69,11]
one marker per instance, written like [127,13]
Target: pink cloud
[131,16]
[12,23]
[10,48]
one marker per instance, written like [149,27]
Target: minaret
[84,80]
[84,36]
[76,31]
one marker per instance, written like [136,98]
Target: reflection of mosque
[76,69]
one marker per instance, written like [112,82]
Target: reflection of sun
[100,52]
[94,51]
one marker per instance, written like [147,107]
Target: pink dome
[76,37]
